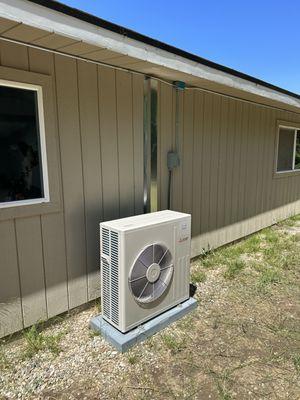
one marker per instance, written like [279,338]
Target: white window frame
[42,140]
[296,129]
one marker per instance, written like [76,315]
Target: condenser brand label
[183,239]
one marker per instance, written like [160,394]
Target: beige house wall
[94,131]
[227,178]
[49,259]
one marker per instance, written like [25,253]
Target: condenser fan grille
[151,274]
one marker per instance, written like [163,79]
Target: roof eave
[63,20]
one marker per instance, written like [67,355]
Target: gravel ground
[241,343]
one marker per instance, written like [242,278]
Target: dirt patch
[242,342]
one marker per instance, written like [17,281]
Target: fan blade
[159,288]
[166,275]
[158,253]
[146,256]
[137,279]
[144,289]
[166,259]
[138,270]
[138,286]
[162,257]
[147,294]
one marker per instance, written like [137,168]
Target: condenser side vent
[114,256]
[110,245]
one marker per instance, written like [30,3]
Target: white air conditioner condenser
[145,263]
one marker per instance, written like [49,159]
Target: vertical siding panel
[252,165]
[53,228]
[125,142]
[28,230]
[274,182]
[109,143]
[222,162]
[138,159]
[10,296]
[92,172]
[265,158]
[243,163]
[186,189]
[269,163]
[165,140]
[236,162]
[197,161]
[205,176]
[257,145]
[260,154]
[248,161]
[229,165]
[214,161]
[32,277]
[55,263]
[70,146]
[159,152]
[183,115]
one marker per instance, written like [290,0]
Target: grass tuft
[296,362]
[93,333]
[37,341]
[234,268]
[4,363]
[133,358]
[173,343]
[198,276]
[269,276]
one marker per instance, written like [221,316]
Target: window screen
[20,156]
[288,158]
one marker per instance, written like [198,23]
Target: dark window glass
[20,159]
[285,149]
[297,153]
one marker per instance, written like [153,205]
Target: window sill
[21,203]
[28,210]
[286,174]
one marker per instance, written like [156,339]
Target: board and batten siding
[226,176]
[49,262]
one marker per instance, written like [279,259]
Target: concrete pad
[124,341]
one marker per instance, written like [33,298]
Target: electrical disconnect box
[173,160]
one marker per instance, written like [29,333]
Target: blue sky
[258,37]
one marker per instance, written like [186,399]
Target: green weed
[173,343]
[198,276]
[233,269]
[37,341]
[269,276]
[132,358]
[93,333]
[296,362]
[4,363]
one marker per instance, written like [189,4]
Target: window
[23,173]
[288,157]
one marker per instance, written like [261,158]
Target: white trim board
[42,143]
[52,21]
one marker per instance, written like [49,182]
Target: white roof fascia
[43,18]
